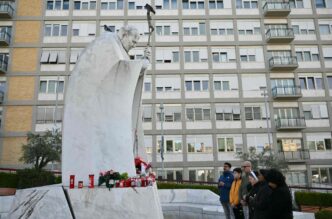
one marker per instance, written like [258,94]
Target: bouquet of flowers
[110,177]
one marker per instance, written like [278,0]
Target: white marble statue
[102,117]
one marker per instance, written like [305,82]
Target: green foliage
[58,179]
[323,214]
[8,180]
[124,176]
[28,178]
[42,149]
[162,185]
[314,198]
[266,159]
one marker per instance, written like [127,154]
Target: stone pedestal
[121,203]
[117,203]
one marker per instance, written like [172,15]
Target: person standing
[253,189]
[224,185]
[234,194]
[281,199]
[243,192]
[262,199]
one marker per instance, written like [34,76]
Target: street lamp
[265,94]
[161,107]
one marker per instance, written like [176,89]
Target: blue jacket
[226,178]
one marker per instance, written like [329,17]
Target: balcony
[4,38]
[286,92]
[281,35]
[290,123]
[276,9]
[3,66]
[6,9]
[299,155]
[286,63]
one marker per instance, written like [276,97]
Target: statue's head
[129,37]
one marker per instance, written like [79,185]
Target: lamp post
[265,94]
[161,107]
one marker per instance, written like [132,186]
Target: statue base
[58,202]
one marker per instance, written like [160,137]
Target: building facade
[229,75]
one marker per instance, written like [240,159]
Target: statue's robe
[102,112]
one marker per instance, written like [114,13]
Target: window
[170,114]
[194,31]
[53,57]
[4,60]
[246,4]
[51,86]
[329,80]
[201,175]
[192,4]
[198,114]
[248,58]
[197,85]
[311,83]
[172,144]
[216,4]
[222,85]
[199,144]
[57,5]
[307,56]
[253,113]
[320,4]
[325,29]
[296,3]
[225,144]
[167,4]
[317,142]
[289,144]
[55,30]
[147,86]
[227,113]
[49,114]
[77,5]
[315,111]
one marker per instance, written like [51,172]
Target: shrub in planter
[313,199]
[324,214]
[28,178]
[8,180]
[161,185]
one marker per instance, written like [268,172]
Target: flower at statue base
[109,178]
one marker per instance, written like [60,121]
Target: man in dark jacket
[225,183]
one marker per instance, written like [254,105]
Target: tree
[42,149]
[266,159]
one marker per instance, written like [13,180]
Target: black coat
[262,201]
[281,203]
[251,197]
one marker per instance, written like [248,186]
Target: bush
[8,180]
[324,214]
[162,185]
[28,178]
[313,198]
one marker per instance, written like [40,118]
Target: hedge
[8,180]
[323,214]
[314,199]
[162,185]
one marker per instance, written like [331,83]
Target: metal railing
[290,123]
[276,6]
[6,6]
[283,60]
[294,155]
[286,91]
[280,32]
[5,36]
